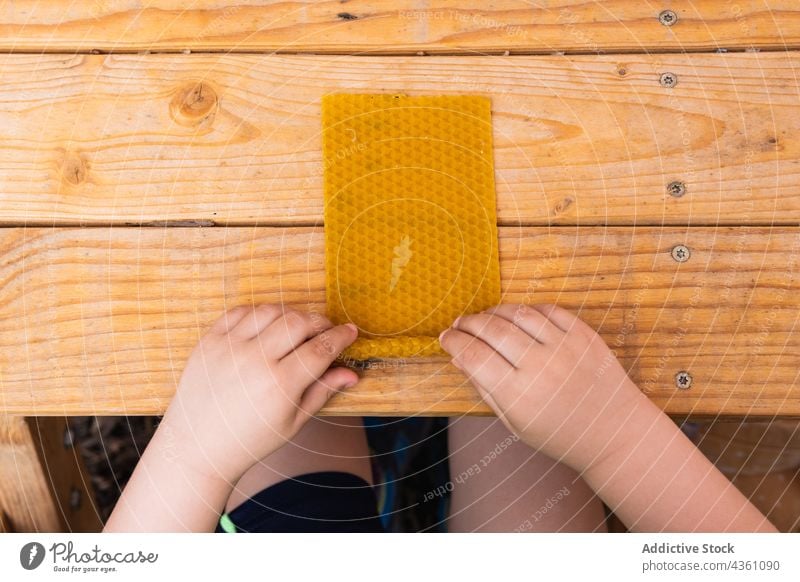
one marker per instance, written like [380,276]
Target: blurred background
[761,458]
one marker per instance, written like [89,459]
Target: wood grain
[235,139]
[397,26]
[38,476]
[101,320]
[25,494]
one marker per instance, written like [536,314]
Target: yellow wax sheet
[410,218]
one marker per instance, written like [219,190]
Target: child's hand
[548,376]
[251,383]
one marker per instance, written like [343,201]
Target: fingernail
[455,323]
[352,327]
[441,335]
[351,384]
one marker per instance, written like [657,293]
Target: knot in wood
[74,169]
[194,104]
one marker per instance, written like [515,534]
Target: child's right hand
[549,377]
[557,385]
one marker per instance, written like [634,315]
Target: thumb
[321,390]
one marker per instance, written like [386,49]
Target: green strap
[226,524]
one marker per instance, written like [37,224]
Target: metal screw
[668,80]
[69,438]
[676,189]
[683,380]
[681,253]
[667,17]
[75,498]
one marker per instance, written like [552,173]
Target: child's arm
[249,386]
[556,384]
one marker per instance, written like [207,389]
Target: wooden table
[160,164]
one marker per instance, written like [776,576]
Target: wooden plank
[236,139]
[43,483]
[25,495]
[397,26]
[101,320]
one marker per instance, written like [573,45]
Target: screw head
[681,253]
[683,380]
[667,17]
[676,189]
[668,80]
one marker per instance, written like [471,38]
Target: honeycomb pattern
[410,218]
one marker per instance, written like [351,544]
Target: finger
[228,320]
[560,317]
[257,318]
[503,336]
[311,359]
[331,382]
[292,329]
[483,365]
[531,321]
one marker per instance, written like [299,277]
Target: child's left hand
[251,383]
